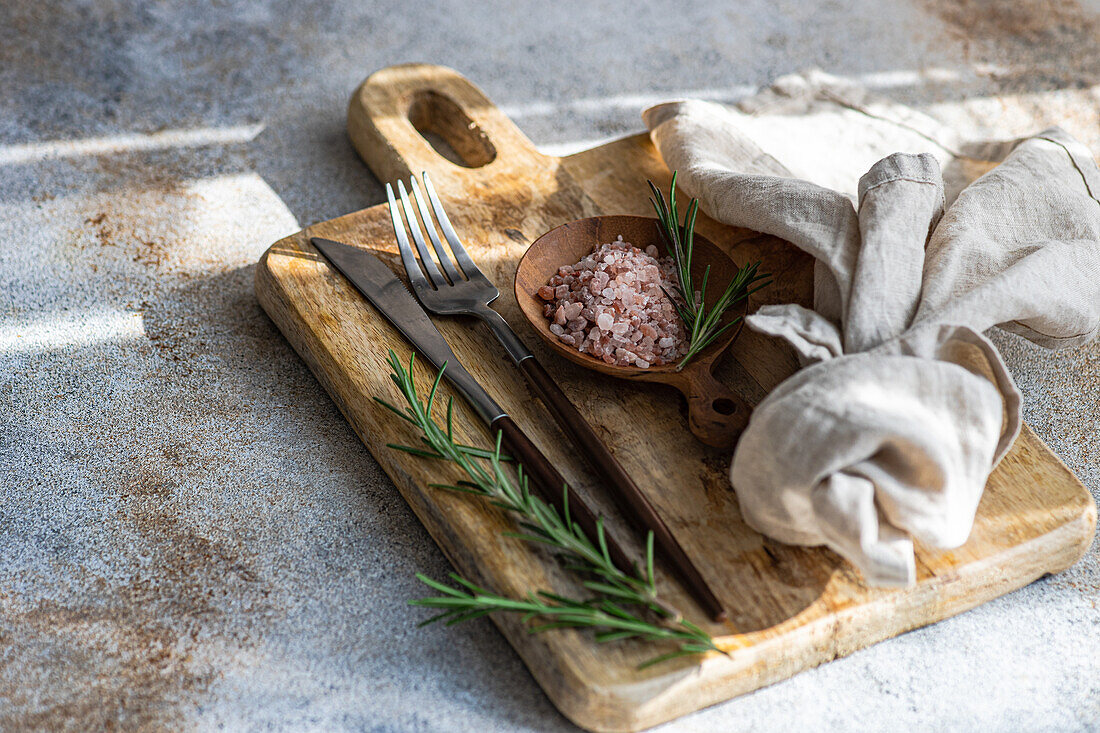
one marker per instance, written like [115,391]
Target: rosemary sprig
[703,323]
[623,605]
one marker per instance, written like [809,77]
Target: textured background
[191,536]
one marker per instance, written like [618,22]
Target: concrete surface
[191,536]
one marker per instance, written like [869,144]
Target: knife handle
[550,485]
[628,496]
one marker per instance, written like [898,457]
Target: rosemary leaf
[702,323]
[624,605]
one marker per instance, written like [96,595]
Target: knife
[391,298]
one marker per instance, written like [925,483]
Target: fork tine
[416,277]
[433,234]
[425,256]
[464,260]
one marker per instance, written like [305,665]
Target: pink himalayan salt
[612,305]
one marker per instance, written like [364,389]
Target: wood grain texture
[716,414]
[790,608]
[615,480]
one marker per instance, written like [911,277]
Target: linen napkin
[902,408]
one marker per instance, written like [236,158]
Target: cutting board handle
[418,117]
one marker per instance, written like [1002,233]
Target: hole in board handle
[450,131]
[724,406]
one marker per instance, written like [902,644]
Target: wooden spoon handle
[629,497]
[716,415]
[552,487]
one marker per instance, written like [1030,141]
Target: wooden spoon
[715,414]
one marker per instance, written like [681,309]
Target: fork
[444,290]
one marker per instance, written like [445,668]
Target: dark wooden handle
[551,485]
[629,497]
[716,415]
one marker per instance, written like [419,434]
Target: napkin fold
[902,408]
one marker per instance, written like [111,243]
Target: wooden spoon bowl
[715,414]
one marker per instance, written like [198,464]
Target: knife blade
[379,285]
[388,294]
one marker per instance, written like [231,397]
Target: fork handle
[629,497]
[550,484]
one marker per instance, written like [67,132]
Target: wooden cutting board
[791,608]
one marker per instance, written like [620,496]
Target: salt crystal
[612,304]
